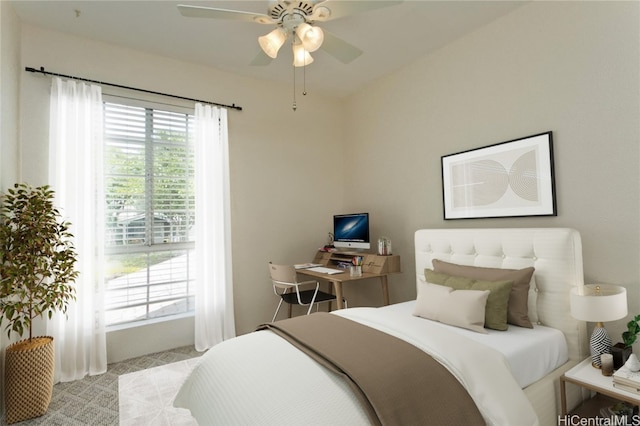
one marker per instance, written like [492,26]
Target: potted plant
[37,271]
[622,350]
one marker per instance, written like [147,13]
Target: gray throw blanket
[397,383]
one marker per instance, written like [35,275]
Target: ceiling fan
[296,19]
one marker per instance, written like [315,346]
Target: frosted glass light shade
[301,57]
[272,42]
[311,37]
[599,303]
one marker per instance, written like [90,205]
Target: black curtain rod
[42,71]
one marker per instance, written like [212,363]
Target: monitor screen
[351,231]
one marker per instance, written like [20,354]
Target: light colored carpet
[94,400]
[146,396]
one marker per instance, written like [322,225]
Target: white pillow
[460,308]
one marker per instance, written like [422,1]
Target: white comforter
[260,378]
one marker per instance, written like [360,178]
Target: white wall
[9,148]
[569,67]
[281,161]
[9,78]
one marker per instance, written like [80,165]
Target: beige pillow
[497,303]
[460,308]
[518,310]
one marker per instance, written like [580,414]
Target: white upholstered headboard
[555,253]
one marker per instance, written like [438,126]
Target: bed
[511,376]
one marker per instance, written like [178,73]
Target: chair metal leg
[313,300]
[277,310]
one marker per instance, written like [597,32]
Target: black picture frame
[508,179]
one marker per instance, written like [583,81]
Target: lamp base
[599,344]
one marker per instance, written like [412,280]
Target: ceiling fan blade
[338,9]
[339,49]
[236,15]
[261,59]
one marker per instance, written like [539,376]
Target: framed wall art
[508,179]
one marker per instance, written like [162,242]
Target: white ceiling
[390,37]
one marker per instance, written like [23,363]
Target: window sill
[119,327]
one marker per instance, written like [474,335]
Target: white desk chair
[287,287]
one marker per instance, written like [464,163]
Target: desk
[337,279]
[374,266]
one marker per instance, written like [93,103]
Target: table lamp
[599,303]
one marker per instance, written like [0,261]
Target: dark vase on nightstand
[620,354]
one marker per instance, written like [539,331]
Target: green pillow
[497,302]
[518,312]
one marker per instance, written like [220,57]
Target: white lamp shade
[598,302]
[272,42]
[311,37]
[301,57]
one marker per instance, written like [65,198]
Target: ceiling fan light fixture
[311,37]
[301,57]
[272,42]
[321,13]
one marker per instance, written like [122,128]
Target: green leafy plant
[629,337]
[37,258]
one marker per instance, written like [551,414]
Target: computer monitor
[351,231]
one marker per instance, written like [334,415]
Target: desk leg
[337,286]
[385,289]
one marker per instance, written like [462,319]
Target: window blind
[150,208]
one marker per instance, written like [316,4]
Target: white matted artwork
[513,178]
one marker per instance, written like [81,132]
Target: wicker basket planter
[28,378]
[37,277]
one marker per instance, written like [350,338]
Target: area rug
[146,396]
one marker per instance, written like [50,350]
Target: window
[150,211]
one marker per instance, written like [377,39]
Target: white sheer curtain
[214,321]
[76,175]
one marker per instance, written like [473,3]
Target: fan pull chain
[304,81]
[294,88]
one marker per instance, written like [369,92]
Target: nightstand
[591,378]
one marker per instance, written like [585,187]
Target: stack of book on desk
[627,380]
